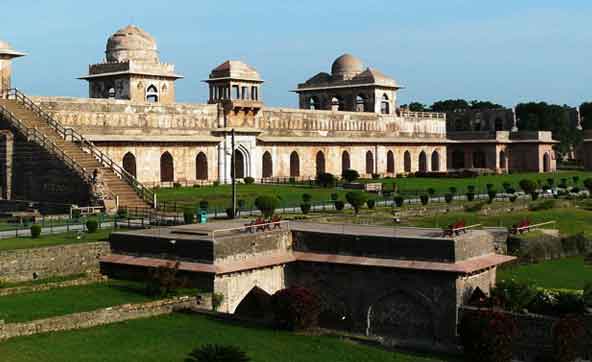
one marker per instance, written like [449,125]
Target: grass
[56,279]
[54,239]
[172,337]
[56,302]
[567,273]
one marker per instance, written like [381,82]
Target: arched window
[407,161]
[239,164]
[546,162]
[111,92]
[435,161]
[345,162]
[129,163]
[320,162]
[294,164]
[167,168]
[502,160]
[458,159]
[390,162]
[267,165]
[499,124]
[336,104]
[385,105]
[254,93]
[360,103]
[479,159]
[314,103]
[152,94]
[369,163]
[423,162]
[201,167]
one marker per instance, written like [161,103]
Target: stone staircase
[79,154]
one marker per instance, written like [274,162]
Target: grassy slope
[55,239]
[31,306]
[171,338]
[568,273]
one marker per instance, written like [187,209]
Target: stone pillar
[5,73]
[514,120]
[6,154]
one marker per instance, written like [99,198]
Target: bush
[431,191]
[471,189]
[295,308]
[163,280]
[399,200]
[576,179]
[487,335]
[188,216]
[375,176]
[528,186]
[534,196]
[567,334]
[326,179]
[305,208]
[453,190]
[217,353]
[492,195]
[176,185]
[356,199]
[229,213]
[339,205]
[35,231]
[217,299]
[204,205]
[371,203]
[588,184]
[514,296]
[249,180]
[448,198]
[506,185]
[470,196]
[424,198]
[76,213]
[122,213]
[91,226]
[241,203]
[334,196]
[489,187]
[306,198]
[350,175]
[267,205]
[216,183]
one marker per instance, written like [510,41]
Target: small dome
[132,43]
[347,66]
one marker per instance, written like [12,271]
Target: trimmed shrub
[121,213]
[306,198]
[204,205]
[176,185]
[92,225]
[356,199]
[188,216]
[492,195]
[76,213]
[339,205]
[424,198]
[350,175]
[267,205]
[216,183]
[588,184]
[470,196]
[217,353]
[514,296]
[249,180]
[576,179]
[229,213]
[295,308]
[241,203]
[448,198]
[431,191]
[534,196]
[528,186]
[305,208]
[399,200]
[506,185]
[471,189]
[371,203]
[551,182]
[326,179]
[35,231]
[453,190]
[334,196]
[375,176]
[489,187]
[487,335]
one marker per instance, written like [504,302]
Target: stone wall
[92,279]
[96,318]
[28,264]
[242,247]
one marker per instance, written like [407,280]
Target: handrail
[146,194]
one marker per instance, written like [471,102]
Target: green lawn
[568,273]
[55,302]
[172,337]
[56,279]
[54,239]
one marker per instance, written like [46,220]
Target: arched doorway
[267,165]
[458,159]
[239,164]
[423,162]
[294,164]
[407,161]
[167,168]
[435,161]
[320,162]
[201,167]
[369,163]
[546,162]
[345,162]
[390,162]
[129,163]
[502,160]
[152,94]
[255,305]
[385,105]
[314,103]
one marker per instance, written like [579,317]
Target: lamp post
[233,174]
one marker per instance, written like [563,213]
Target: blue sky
[506,51]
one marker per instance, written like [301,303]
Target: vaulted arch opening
[201,167]
[239,164]
[267,165]
[255,305]
[423,162]
[407,161]
[369,163]
[390,162]
[435,161]
[167,168]
[129,163]
[320,162]
[345,162]
[294,164]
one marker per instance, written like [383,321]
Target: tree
[356,199]
[450,105]
[350,175]
[217,353]
[586,115]
[295,308]
[588,184]
[267,205]
[326,179]
[418,107]
[528,186]
[485,105]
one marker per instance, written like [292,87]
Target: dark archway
[361,103]
[369,163]
[423,162]
[503,162]
[152,94]
[201,167]
[407,161]
[479,159]
[458,159]
[435,161]
[320,162]
[546,162]
[314,103]
[385,107]
[255,305]
[345,162]
[294,164]
[239,164]
[129,163]
[390,162]
[167,168]
[267,165]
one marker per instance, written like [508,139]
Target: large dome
[132,43]
[347,66]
